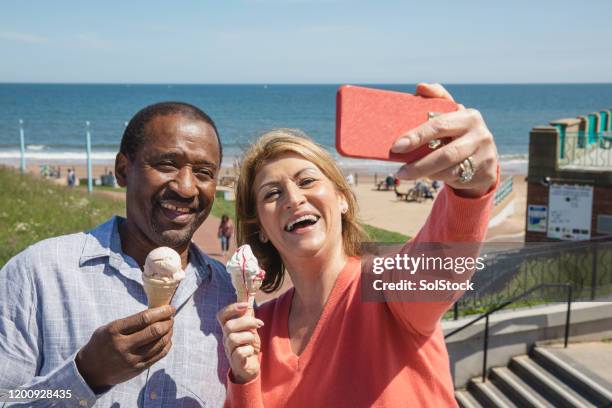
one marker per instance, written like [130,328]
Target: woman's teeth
[310,218]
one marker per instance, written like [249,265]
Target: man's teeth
[309,217]
[183,210]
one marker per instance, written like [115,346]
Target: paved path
[206,238]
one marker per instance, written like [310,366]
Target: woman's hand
[469,138]
[241,341]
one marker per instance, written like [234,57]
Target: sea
[54,115]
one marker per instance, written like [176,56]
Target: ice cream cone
[246,275]
[159,293]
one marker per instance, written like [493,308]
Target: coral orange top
[365,354]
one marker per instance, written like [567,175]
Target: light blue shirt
[57,292]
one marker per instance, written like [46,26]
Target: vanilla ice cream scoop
[164,263]
[246,274]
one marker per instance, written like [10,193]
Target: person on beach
[73,312]
[71,178]
[318,344]
[225,232]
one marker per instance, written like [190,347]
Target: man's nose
[184,184]
[295,197]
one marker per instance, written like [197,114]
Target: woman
[319,344]
[225,232]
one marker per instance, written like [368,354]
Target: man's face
[171,180]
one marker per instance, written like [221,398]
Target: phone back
[369,121]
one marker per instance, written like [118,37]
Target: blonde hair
[267,147]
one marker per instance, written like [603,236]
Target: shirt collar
[105,241]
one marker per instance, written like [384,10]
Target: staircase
[540,380]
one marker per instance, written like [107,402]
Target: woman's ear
[343,204]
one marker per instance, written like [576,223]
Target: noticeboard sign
[536,218]
[569,212]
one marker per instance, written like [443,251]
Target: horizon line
[295,83]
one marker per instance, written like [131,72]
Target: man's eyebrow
[165,155]
[296,175]
[174,156]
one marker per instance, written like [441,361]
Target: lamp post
[89,172]
[22,147]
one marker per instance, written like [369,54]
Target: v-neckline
[300,361]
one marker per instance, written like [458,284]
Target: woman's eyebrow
[296,175]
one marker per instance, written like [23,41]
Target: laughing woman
[319,344]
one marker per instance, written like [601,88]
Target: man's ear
[121,168]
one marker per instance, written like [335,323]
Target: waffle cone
[159,293]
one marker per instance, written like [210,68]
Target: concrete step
[550,387]
[466,400]
[489,395]
[584,385]
[516,389]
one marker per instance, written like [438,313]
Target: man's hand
[124,348]
[241,341]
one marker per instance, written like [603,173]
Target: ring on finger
[467,170]
[433,144]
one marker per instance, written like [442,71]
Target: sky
[305,41]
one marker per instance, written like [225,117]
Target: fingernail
[401,145]
[242,306]
[259,323]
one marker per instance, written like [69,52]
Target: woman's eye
[307,181]
[271,194]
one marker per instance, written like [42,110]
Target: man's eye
[166,165]
[204,172]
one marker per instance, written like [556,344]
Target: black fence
[514,268]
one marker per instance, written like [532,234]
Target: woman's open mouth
[302,224]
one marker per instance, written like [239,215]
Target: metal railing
[486,315]
[581,149]
[504,190]
[586,265]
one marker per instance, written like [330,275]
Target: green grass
[381,235]
[83,187]
[32,209]
[222,206]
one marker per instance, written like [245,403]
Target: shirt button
[83,403]
[153,395]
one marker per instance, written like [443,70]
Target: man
[72,327]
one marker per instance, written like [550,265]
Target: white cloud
[23,37]
[92,41]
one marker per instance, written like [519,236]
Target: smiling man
[73,326]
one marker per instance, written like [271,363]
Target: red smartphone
[369,121]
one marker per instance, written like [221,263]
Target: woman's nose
[295,197]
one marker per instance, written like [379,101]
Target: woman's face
[298,207]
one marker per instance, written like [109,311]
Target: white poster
[536,218]
[569,212]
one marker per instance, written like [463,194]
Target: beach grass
[222,206]
[32,209]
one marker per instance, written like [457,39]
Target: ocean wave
[510,163]
[36,147]
[57,155]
